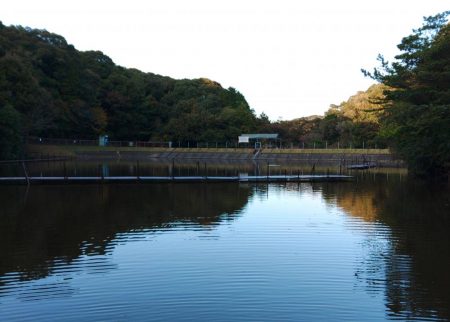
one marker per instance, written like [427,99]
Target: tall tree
[417,105]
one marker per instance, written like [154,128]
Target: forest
[50,89]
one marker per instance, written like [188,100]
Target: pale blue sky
[289,58]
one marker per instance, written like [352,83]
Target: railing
[197,144]
[83,142]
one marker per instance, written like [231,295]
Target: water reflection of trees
[417,214]
[54,224]
[50,224]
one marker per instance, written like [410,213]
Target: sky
[289,58]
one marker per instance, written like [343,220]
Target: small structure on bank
[103,140]
[258,139]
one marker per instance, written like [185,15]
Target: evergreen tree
[417,105]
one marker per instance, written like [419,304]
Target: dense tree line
[353,123]
[50,89]
[416,114]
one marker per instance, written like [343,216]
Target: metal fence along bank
[201,145]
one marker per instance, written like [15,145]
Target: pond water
[374,249]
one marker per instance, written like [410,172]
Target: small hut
[259,139]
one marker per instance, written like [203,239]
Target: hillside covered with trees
[50,89]
[352,123]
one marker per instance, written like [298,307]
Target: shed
[258,138]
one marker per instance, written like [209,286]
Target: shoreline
[380,157]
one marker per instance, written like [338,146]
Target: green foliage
[356,121]
[61,92]
[10,133]
[306,129]
[417,114]
[364,107]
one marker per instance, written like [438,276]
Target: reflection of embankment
[326,158]
[417,266]
[359,206]
[359,199]
[61,223]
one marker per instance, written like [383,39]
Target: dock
[363,166]
[168,179]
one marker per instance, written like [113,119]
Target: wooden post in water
[65,171]
[267,171]
[137,170]
[173,168]
[26,173]
[206,172]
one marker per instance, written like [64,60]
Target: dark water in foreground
[374,249]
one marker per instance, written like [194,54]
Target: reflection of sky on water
[296,252]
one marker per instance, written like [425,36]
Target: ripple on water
[296,252]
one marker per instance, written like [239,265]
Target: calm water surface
[370,250]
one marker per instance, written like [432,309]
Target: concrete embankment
[378,157]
